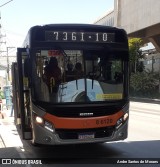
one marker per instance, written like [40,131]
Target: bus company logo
[85,114]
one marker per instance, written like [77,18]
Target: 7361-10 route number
[65,36]
[104,121]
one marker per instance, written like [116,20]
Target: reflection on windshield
[77,76]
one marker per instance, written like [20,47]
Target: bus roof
[38,31]
[80,26]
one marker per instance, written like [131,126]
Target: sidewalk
[8,133]
[4,114]
[10,143]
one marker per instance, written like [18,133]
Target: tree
[144,83]
[135,54]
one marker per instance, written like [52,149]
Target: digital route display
[93,37]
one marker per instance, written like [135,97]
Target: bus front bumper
[46,137]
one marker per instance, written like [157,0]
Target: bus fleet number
[104,121]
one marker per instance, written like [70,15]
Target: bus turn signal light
[48,126]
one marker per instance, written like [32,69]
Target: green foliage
[1,94]
[134,49]
[145,82]
[142,83]
[135,54]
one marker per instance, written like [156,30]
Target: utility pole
[1,45]
[1,36]
[8,66]
[159,74]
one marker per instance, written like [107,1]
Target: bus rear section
[73,85]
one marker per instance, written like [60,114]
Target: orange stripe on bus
[83,123]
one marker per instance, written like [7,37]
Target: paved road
[143,142]
[144,123]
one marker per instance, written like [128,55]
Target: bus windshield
[78,76]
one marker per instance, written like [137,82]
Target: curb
[145,100]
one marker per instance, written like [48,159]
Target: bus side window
[39,66]
[26,67]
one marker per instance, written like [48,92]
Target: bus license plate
[86,136]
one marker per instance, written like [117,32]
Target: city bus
[70,84]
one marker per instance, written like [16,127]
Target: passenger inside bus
[118,77]
[106,70]
[69,72]
[52,75]
[70,67]
[78,71]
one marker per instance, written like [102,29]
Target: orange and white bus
[82,96]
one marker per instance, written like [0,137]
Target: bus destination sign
[93,37]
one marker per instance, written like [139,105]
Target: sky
[18,16]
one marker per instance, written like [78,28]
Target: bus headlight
[48,126]
[39,120]
[125,116]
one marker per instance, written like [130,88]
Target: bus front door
[23,111]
